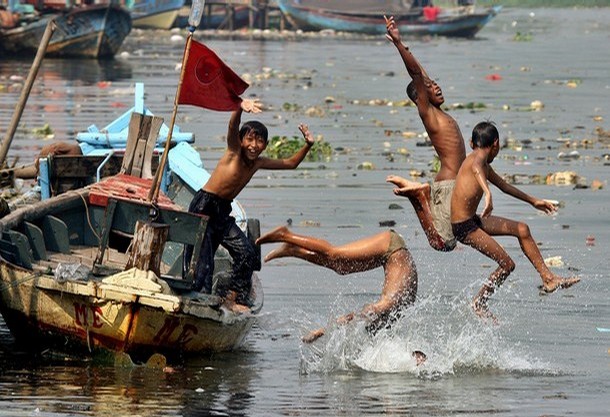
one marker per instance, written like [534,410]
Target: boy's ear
[471,144]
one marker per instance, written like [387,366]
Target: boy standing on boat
[477,231]
[234,170]
[431,203]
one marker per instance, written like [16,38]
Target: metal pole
[25,92]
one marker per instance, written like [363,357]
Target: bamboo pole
[153,194]
[25,92]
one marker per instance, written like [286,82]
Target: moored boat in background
[154,14]
[367,17]
[90,31]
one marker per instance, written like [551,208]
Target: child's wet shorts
[396,243]
[463,229]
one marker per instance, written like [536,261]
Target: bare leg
[499,226]
[419,196]
[485,244]
[358,256]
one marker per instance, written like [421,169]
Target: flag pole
[195,15]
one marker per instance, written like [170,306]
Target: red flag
[208,82]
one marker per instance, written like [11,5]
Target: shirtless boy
[477,231]
[234,170]
[386,249]
[431,203]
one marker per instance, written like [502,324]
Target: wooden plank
[21,247]
[151,142]
[36,239]
[55,234]
[135,123]
[107,226]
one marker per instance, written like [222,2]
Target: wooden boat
[101,268]
[154,14]
[367,17]
[67,275]
[218,16]
[95,31]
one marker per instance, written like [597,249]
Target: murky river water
[545,358]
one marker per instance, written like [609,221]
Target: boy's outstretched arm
[414,68]
[543,205]
[247,105]
[294,160]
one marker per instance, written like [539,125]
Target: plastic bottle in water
[197,7]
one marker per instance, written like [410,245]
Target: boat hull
[409,22]
[160,14]
[88,32]
[109,315]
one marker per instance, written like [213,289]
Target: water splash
[455,342]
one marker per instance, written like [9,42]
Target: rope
[5,287]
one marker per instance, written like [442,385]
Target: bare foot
[420,357]
[559,283]
[273,236]
[482,310]
[231,305]
[313,336]
[407,188]
[281,252]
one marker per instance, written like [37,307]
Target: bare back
[467,192]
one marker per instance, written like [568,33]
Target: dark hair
[255,127]
[484,135]
[412,91]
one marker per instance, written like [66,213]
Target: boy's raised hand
[251,106]
[547,206]
[393,35]
[306,134]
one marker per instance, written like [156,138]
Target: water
[546,356]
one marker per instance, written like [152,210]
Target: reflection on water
[88,71]
[57,383]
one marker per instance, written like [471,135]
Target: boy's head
[253,137]
[254,128]
[484,135]
[435,94]
[412,92]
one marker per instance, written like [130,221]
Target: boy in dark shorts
[385,249]
[477,231]
[233,171]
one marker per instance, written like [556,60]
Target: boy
[431,203]
[475,231]
[234,170]
[385,249]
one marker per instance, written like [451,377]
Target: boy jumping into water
[385,249]
[431,203]
[477,231]
[234,170]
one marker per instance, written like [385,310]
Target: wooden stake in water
[25,92]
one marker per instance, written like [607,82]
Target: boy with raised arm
[386,249]
[234,170]
[431,203]
[477,231]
